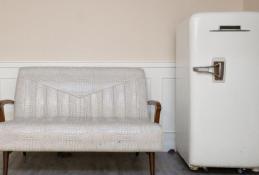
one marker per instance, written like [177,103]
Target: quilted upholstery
[80,92]
[80,109]
[79,134]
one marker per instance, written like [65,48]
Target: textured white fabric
[80,109]
[80,134]
[80,92]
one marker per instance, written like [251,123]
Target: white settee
[77,109]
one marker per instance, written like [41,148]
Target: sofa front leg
[5,162]
[151,156]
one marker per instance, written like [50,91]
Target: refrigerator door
[224,110]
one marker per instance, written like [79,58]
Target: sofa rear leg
[5,162]
[24,155]
[151,156]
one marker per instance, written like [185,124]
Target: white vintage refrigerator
[217,90]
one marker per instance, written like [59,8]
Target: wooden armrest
[158,108]
[2,103]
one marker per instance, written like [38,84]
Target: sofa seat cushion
[80,134]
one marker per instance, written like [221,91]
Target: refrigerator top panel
[214,30]
[224,22]
[225,112]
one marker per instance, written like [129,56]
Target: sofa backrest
[80,92]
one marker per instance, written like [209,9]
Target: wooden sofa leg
[151,156]
[5,162]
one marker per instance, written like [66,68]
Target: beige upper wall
[96,29]
[252,5]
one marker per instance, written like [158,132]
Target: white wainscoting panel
[160,82]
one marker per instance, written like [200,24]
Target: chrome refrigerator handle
[217,69]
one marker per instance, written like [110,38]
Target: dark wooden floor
[101,164]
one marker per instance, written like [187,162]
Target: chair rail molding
[160,83]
